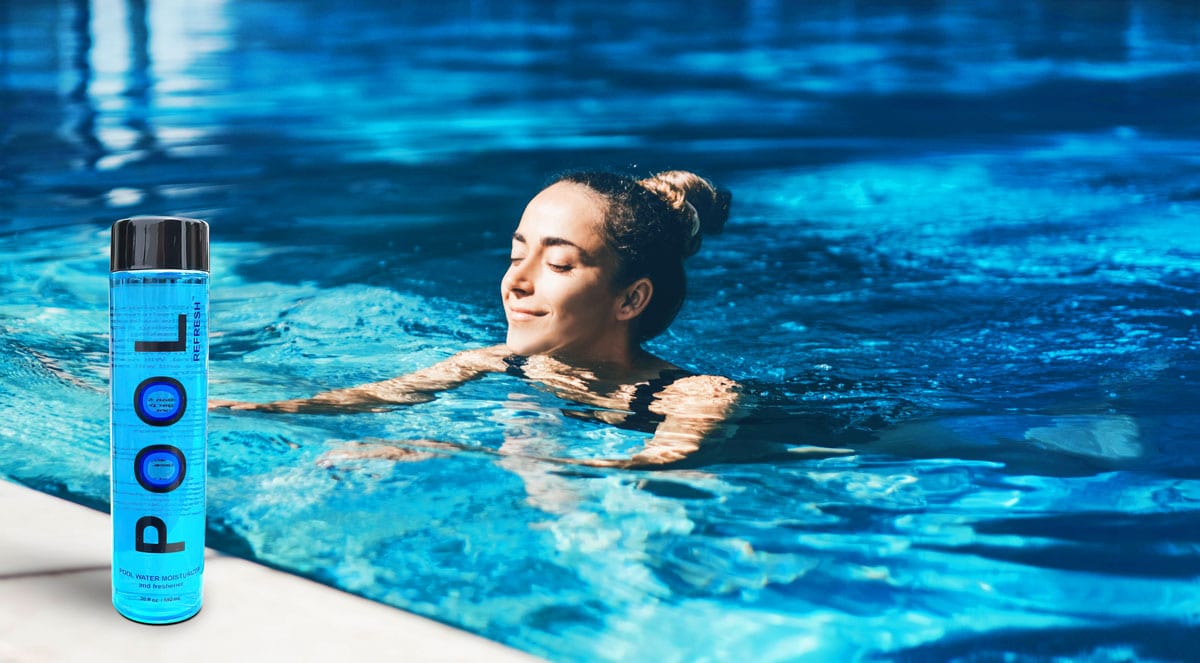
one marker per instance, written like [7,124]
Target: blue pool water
[967,229]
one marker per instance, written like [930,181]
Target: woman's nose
[519,278]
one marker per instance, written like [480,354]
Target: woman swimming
[596,270]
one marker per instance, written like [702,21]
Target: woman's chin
[522,346]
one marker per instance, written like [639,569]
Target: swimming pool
[973,224]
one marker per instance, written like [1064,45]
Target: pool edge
[55,604]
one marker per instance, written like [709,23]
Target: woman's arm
[416,387]
[700,413]
[700,416]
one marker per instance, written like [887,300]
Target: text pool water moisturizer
[158,354]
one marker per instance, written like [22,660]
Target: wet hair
[652,225]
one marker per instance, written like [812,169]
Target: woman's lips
[517,314]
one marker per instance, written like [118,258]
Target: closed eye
[561,268]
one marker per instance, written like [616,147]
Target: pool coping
[55,604]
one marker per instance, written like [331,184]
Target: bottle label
[159,362]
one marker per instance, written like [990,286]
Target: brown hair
[652,225]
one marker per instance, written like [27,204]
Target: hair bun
[703,208]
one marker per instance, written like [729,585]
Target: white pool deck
[55,605]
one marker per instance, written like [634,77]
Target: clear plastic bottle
[158,353]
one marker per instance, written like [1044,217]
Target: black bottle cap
[159,242]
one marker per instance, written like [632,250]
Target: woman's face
[557,292]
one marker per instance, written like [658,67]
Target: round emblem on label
[160,401]
[160,468]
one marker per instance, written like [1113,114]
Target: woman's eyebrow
[557,241]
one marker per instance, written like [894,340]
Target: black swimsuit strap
[643,394]
[640,417]
[515,366]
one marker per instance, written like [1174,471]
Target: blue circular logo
[160,401]
[160,468]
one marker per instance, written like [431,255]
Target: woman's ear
[634,298]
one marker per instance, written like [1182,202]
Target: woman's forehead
[567,211]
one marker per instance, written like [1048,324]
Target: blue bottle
[158,354]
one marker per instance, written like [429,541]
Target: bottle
[158,357]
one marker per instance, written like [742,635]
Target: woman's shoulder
[493,358]
[652,367]
[665,377]
[699,387]
[689,396]
[680,390]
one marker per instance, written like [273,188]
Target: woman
[596,270]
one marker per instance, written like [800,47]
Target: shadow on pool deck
[55,605]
